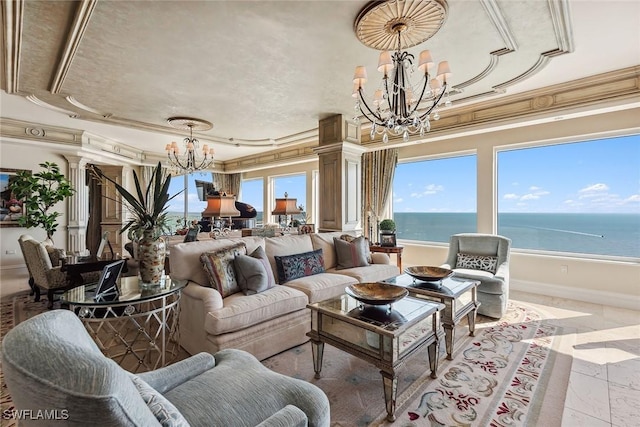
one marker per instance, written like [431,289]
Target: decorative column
[78,205]
[340,164]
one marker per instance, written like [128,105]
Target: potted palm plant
[148,221]
[36,195]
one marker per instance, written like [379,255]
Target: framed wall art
[11,209]
[387,240]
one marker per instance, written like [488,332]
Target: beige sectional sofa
[271,321]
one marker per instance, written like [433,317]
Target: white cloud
[534,188]
[594,187]
[510,196]
[529,196]
[632,199]
[398,200]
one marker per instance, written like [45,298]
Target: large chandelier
[188,161]
[399,107]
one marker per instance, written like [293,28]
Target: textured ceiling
[265,72]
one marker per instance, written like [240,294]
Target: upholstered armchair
[483,257]
[45,270]
[51,364]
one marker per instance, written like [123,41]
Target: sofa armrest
[169,377]
[288,416]
[211,298]
[380,258]
[447,266]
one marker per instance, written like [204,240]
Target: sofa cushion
[164,411]
[253,272]
[320,287]
[242,311]
[370,273]
[351,253]
[286,245]
[477,262]
[324,241]
[351,238]
[184,258]
[219,268]
[291,267]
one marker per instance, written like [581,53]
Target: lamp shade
[221,206]
[286,206]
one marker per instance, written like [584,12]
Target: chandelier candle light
[395,108]
[188,161]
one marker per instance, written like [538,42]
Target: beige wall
[27,156]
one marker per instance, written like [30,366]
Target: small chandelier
[397,105]
[189,162]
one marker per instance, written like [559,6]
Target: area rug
[514,372]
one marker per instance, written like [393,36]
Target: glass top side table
[139,330]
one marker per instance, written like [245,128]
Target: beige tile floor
[604,386]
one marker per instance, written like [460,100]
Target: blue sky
[596,176]
[592,177]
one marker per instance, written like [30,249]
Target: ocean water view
[600,234]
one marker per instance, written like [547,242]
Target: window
[194,206]
[296,188]
[252,192]
[578,197]
[433,199]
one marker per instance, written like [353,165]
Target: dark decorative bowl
[376,293]
[428,274]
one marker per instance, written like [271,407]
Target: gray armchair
[51,364]
[490,266]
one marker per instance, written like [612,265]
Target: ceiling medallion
[398,106]
[377,24]
[188,162]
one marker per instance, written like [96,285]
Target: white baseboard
[631,302]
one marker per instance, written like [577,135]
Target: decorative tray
[376,293]
[428,273]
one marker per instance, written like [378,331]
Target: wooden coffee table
[382,335]
[458,295]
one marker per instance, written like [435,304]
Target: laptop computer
[107,289]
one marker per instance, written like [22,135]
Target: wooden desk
[390,250]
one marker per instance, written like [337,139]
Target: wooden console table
[390,250]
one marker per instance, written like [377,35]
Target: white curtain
[378,168]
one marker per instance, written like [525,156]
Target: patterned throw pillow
[56,255]
[164,411]
[477,262]
[351,254]
[299,265]
[253,272]
[219,268]
[349,238]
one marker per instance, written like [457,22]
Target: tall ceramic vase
[151,254]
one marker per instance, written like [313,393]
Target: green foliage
[148,209]
[40,192]
[387,225]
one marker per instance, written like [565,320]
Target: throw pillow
[56,255]
[254,272]
[477,262]
[219,268]
[350,238]
[299,265]
[351,254]
[164,411]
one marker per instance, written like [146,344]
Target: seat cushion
[242,311]
[370,273]
[320,287]
[489,284]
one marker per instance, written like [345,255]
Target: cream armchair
[484,257]
[43,274]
